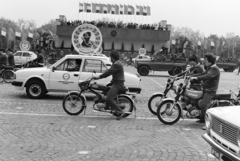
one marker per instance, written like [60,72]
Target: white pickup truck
[65,74]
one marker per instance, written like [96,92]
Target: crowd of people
[115,25]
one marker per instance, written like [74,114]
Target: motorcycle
[155,100]
[188,100]
[75,102]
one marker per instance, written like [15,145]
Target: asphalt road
[41,130]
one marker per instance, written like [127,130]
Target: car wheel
[176,70]
[231,69]
[35,89]
[143,71]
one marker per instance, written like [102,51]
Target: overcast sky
[208,16]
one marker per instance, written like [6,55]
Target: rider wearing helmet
[117,82]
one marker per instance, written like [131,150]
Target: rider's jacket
[116,71]
[210,78]
[11,61]
[39,59]
[3,61]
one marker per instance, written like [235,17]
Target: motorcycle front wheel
[154,102]
[165,115]
[8,76]
[73,104]
[125,104]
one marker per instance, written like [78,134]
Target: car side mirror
[94,72]
[53,69]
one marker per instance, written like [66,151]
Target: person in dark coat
[117,82]
[210,84]
[11,60]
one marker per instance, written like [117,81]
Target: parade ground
[40,130]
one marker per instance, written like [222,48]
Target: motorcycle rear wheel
[73,104]
[154,102]
[163,110]
[125,104]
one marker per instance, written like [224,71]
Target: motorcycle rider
[117,81]
[4,60]
[210,84]
[195,68]
[39,60]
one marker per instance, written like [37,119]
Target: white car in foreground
[223,132]
[22,57]
[65,75]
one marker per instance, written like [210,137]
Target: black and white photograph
[110,80]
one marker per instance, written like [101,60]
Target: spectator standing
[3,59]
[11,60]
[61,54]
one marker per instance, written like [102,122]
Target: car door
[17,57]
[91,65]
[65,76]
[25,57]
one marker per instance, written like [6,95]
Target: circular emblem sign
[86,39]
[66,76]
[142,51]
[25,45]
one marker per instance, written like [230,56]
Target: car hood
[33,69]
[228,113]
[126,74]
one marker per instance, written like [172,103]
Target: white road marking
[83,152]
[91,127]
[157,83]
[85,116]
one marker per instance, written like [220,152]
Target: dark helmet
[115,55]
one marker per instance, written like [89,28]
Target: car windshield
[55,63]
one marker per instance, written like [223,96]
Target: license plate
[215,153]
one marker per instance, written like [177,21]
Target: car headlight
[207,121]
[238,138]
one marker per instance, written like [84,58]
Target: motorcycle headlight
[208,122]
[238,138]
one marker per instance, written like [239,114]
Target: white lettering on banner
[3,33]
[18,34]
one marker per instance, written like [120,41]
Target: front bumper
[218,148]
[16,83]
